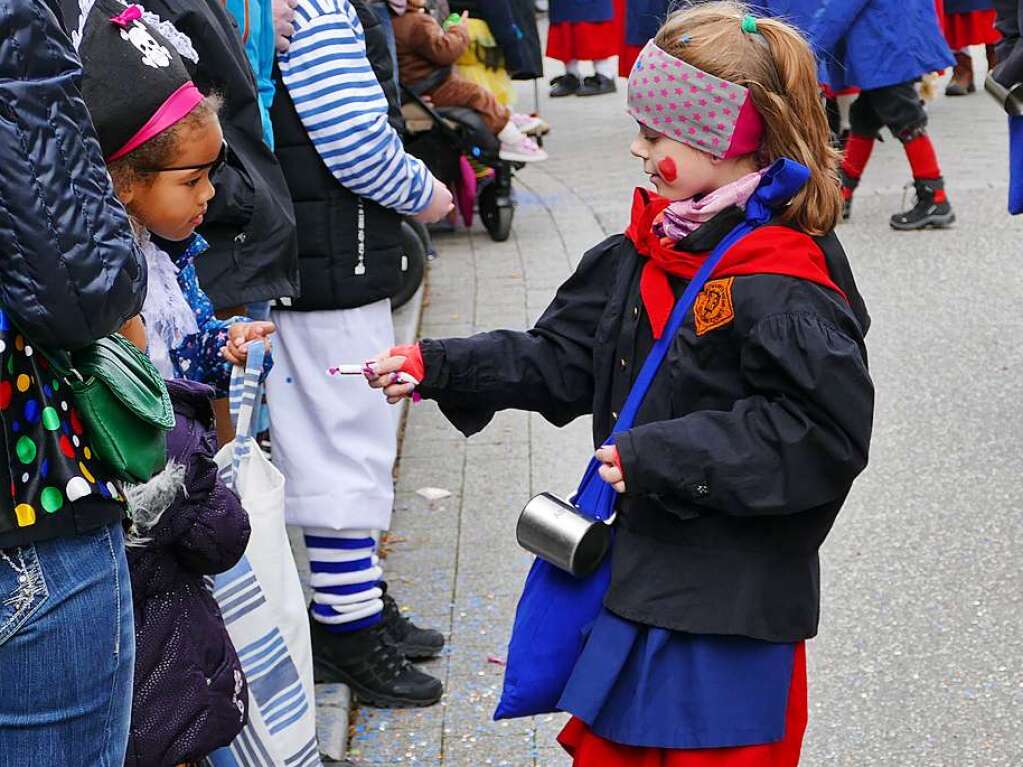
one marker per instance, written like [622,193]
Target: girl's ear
[125,192]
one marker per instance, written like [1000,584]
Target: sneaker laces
[400,625]
[385,659]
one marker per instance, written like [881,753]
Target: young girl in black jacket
[749,437]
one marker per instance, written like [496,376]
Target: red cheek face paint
[667,170]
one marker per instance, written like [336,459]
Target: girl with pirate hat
[753,425]
[163,145]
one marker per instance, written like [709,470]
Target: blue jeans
[67,650]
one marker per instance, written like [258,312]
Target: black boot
[597,85]
[372,665]
[849,184]
[926,213]
[414,643]
[564,85]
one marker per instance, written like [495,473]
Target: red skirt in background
[582,40]
[973,28]
[590,750]
[627,54]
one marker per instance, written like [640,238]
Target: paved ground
[919,658]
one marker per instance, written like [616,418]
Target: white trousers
[333,437]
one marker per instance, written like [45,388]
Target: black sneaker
[415,643]
[926,213]
[597,85]
[564,85]
[373,666]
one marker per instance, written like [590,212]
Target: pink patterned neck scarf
[682,217]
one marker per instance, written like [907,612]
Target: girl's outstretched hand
[611,470]
[397,372]
[240,335]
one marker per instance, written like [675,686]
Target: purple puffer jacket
[190,693]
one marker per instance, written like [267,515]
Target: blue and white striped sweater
[344,110]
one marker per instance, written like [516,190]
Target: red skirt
[582,40]
[589,750]
[973,28]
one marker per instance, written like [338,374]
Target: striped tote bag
[262,603]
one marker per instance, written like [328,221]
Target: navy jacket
[581,10]
[1010,50]
[966,6]
[868,43]
[742,453]
[513,25]
[190,693]
[70,269]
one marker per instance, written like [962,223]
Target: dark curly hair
[160,150]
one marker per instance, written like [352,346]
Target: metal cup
[558,533]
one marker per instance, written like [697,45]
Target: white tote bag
[262,602]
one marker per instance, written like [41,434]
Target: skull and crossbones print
[153,54]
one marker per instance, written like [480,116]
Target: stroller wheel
[413,265]
[424,236]
[497,211]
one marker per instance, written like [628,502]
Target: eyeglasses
[214,166]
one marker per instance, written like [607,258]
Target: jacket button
[635,312]
[614,414]
[623,363]
[701,490]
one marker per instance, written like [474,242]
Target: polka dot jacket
[54,484]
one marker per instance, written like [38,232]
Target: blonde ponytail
[776,65]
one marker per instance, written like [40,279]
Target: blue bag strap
[244,399]
[778,185]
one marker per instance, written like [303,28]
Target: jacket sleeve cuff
[434,363]
[628,461]
[639,481]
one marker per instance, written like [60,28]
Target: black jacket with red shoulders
[746,444]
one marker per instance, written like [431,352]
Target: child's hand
[611,472]
[389,371]
[240,335]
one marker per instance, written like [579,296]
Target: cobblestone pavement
[918,659]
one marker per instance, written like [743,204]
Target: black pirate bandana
[134,82]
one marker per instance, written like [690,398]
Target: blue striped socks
[345,578]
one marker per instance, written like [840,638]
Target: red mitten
[413,370]
[618,463]
[413,364]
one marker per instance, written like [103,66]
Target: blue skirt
[639,685]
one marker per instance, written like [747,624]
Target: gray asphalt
[918,662]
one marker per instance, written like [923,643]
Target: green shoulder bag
[123,403]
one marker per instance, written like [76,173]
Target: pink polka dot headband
[684,103]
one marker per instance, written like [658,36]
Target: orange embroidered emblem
[714,308]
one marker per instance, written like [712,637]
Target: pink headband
[684,103]
[172,111]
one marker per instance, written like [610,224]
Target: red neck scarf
[767,250]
